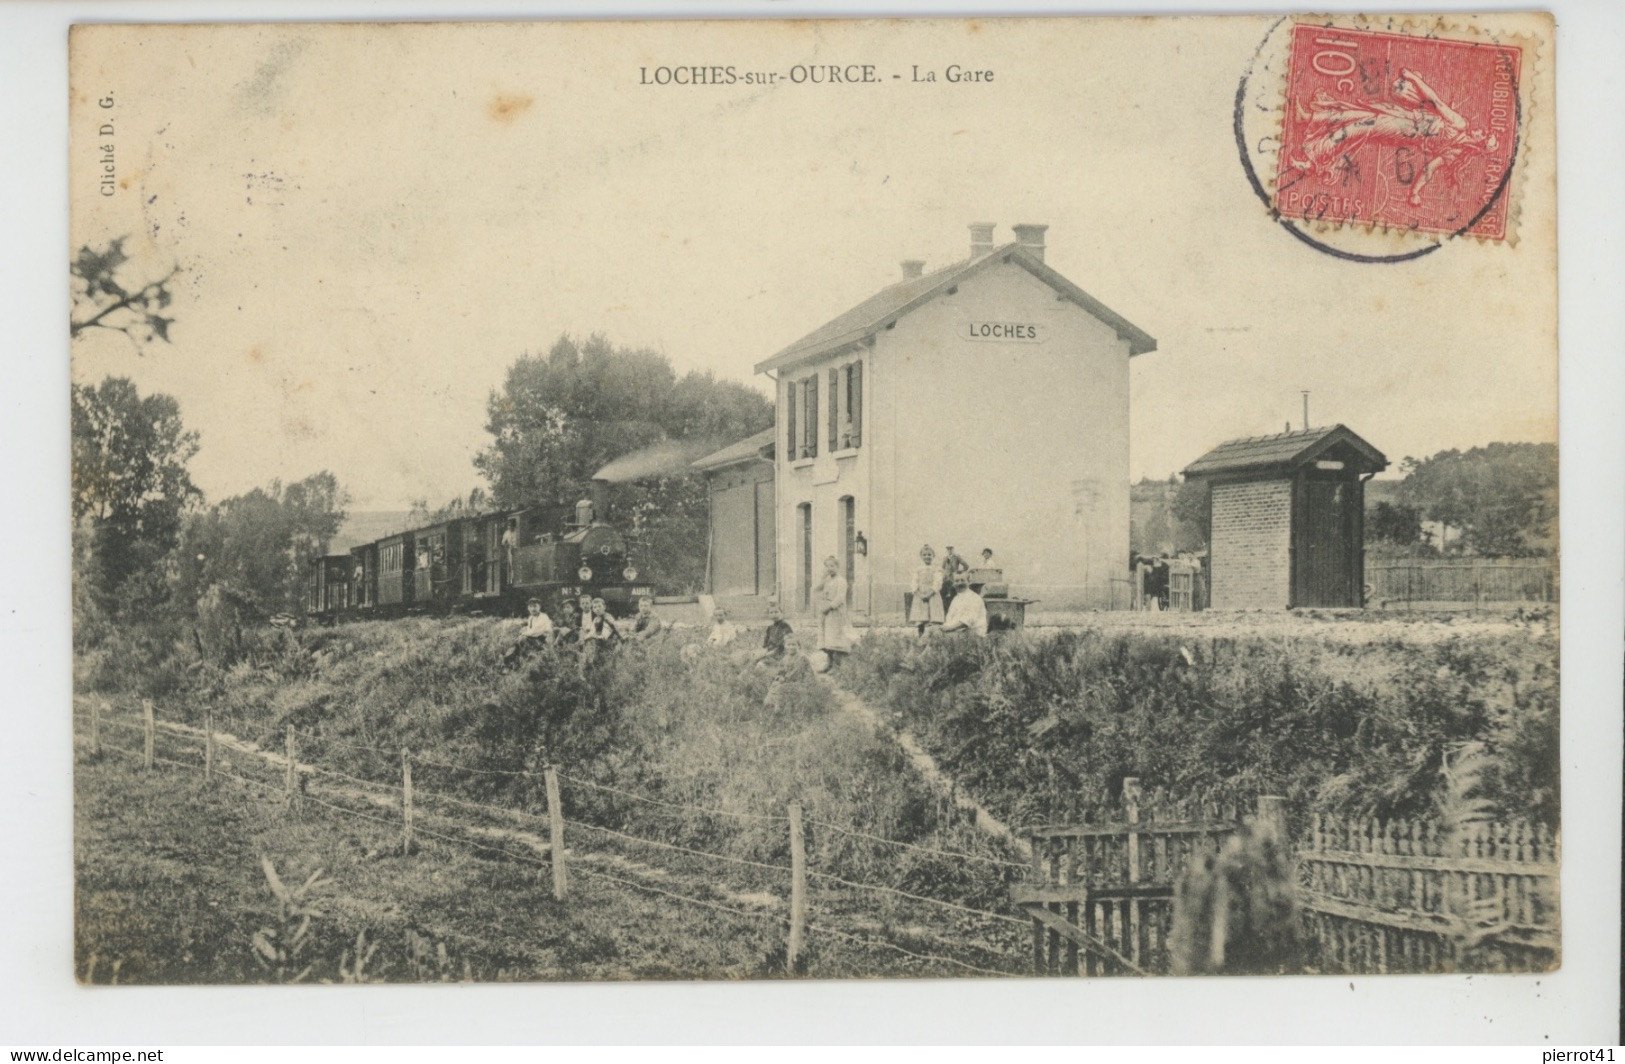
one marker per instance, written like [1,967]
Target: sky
[373,223]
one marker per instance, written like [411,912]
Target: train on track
[490,563]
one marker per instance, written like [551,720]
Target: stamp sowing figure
[1403,131]
[1425,125]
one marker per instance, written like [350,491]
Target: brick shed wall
[1252,539]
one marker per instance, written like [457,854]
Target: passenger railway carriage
[488,563]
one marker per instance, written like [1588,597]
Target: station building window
[843,415]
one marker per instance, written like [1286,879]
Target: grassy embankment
[703,756]
[1349,716]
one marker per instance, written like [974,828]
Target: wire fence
[414,803]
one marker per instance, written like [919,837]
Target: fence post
[149,728]
[1131,808]
[406,802]
[555,818]
[95,727]
[798,889]
[1131,803]
[208,744]
[291,778]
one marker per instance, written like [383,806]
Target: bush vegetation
[1045,726]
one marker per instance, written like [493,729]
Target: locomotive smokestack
[598,500]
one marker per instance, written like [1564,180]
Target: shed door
[733,540]
[766,577]
[1325,548]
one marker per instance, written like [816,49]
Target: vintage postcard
[971,498]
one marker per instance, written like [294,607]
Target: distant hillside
[364,526]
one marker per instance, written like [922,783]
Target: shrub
[1044,725]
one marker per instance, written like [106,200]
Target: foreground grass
[699,754]
[169,888]
[169,891]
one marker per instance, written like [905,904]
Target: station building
[983,404]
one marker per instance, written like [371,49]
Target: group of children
[587,627]
[583,624]
[962,609]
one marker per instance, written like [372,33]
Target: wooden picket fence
[1475,581]
[1373,897]
[1100,894]
[1407,896]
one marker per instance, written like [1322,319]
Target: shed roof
[749,449]
[893,301]
[1286,450]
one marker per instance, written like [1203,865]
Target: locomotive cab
[564,551]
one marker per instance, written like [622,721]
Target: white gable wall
[1022,447]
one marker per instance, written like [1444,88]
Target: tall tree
[130,484]
[257,547]
[1503,496]
[102,299]
[560,418]
[563,417]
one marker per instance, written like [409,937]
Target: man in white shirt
[535,632]
[967,612]
[538,625]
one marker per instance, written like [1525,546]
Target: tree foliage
[256,547]
[1503,496]
[1394,523]
[560,418]
[101,300]
[130,484]
[421,513]
[1191,514]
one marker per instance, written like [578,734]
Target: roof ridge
[900,297]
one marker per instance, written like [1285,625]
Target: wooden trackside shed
[1288,518]
[740,560]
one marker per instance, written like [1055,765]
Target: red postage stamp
[1399,132]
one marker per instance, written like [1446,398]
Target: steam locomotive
[488,563]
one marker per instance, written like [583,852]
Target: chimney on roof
[981,238]
[913,268]
[1031,239]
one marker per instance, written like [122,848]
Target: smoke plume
[657,459]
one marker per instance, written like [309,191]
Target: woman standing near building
[834,633]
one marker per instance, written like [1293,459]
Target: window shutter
[792,398]
[855,401]
[834,410]
[812,416]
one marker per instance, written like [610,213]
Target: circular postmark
[1381,140]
